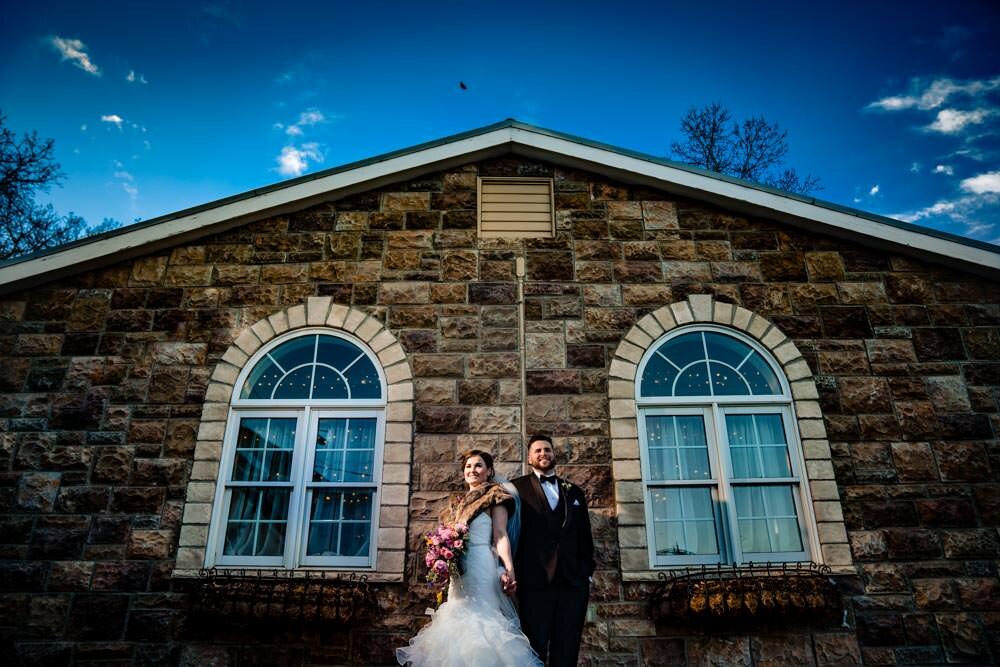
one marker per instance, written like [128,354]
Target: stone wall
[104,376]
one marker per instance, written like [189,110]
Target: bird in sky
[461,84]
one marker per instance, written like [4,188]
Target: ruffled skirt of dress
[463,633]
[476,625]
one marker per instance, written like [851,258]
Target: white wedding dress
[477,624]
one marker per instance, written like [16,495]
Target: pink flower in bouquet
[445,547]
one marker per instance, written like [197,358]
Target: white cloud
[952,121]
[874,190]
[926,96]
[75,51]
[307,118]
[311,117]
[223,12]
[988,183]
[127,183]
[973,228]
[938,208]
[293,161]
[915,168]
[114,119]
[894,103]
[966,212]
[132,77]
[944,169]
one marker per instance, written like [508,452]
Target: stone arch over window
[826,532]
[395,413]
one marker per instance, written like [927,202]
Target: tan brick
[630,492]
[391,538]
[665,317]
[626,469]
[681,312]
[827,510]
[317,308]
[390,561]
[832,532]
[624,428]
[296,316]
[624,448]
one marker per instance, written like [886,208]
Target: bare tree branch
[28,166]
[752,150]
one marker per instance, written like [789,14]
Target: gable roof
[507,137]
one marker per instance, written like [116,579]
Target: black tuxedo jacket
[555,546]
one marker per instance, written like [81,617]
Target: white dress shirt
[551,491]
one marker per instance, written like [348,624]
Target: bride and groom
[537,529]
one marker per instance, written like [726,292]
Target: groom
[554,559]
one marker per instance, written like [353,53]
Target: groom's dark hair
[540,436]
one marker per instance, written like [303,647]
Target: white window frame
[713,410]
[307,413]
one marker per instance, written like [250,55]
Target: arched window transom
[302,451]
[313,367]
[721,463]
[708,363]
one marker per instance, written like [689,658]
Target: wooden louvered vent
[515,207]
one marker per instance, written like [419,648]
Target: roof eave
[507,136]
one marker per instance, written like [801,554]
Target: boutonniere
[565,485]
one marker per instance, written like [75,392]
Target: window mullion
[726,496]
[758,449]
[708,365]
[295,505]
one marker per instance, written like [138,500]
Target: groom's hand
[507,584]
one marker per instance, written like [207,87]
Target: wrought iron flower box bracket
[284,595]
[747,593]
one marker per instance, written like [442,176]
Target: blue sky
[155,107]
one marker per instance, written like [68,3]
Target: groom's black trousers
[553,617]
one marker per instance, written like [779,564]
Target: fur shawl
[477,500]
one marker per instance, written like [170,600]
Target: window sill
[660,573]
[297,573]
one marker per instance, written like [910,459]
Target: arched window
[721,463]
[301,456]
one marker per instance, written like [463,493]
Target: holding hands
[508,583]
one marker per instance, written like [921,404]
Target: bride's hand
[508,582]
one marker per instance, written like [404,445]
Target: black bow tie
[551,479]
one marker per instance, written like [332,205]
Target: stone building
[277,386]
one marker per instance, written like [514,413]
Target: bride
[478,624]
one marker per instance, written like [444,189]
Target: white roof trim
[681,179]
[513,137]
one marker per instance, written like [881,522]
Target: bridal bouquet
[445,546]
